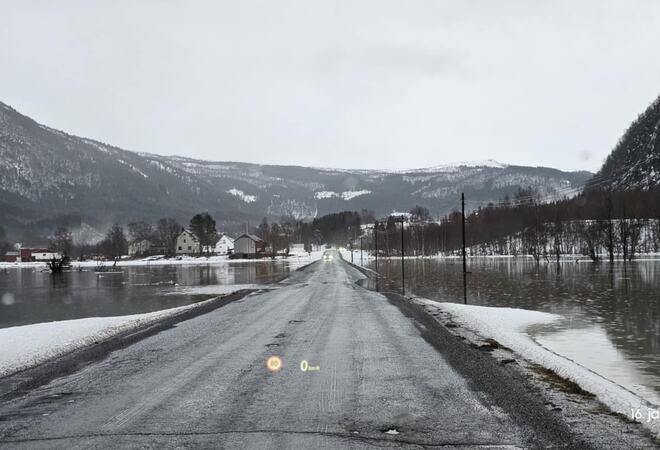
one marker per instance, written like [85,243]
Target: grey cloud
[371,83]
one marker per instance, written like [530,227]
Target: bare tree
[140,230]
[635,229]
[608,227]
[115,243]
[558,238]
[592,234]
[62,242]
[167,230]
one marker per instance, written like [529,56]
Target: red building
[30,254]
[12,256]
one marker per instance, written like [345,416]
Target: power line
[532,198]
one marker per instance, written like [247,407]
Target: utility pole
[361,263]
[376,243]
[464,260]
[403,272]
[376,250]
[351,247]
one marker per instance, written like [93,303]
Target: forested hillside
[617,215]
[635,161]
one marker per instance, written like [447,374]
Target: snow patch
[242,195]
[179,261]
[509,327]
[98,146]
[346,195]
[133,168]
[29,345]
[217,289]
[325,194]
[455,167]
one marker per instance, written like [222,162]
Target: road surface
[204,383]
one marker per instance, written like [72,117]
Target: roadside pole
[464,260]
[376,250]
[403,272]
[361,263]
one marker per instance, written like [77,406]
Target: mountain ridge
[48,177]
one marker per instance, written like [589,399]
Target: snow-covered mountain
[635,161]
[49,177]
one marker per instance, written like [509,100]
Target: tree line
[162,234]
[336,228]
[598,223]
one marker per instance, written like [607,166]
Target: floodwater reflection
[32,295]
[611,309]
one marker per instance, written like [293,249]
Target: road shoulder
[16,384]
[531,394]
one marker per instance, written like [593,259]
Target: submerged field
[32,295]
[610,312]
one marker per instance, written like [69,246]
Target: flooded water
[32,295]
[612,311]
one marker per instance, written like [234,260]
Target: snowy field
[565,259]
[297,259]
[510,328]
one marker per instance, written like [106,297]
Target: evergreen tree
[203,226]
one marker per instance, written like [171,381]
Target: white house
[224,246]
[249,246]
[45,255]
[297,250]
[187,244]
[139,247]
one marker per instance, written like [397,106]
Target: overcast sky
[355,84]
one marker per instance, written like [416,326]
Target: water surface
[33,295]
[612,310]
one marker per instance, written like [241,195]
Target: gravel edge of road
[15,385]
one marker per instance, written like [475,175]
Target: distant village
[166,239]
[245,246]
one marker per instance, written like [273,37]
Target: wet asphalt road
[205,384]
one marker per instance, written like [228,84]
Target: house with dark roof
[188,244]
[249,246]
[224,246]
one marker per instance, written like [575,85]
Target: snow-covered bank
[30,345]
[216,289]
[294,259]
[509,327]
[577,238]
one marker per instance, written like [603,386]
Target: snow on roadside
[29,345]
[216,289]
[295,259]
[508,326]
